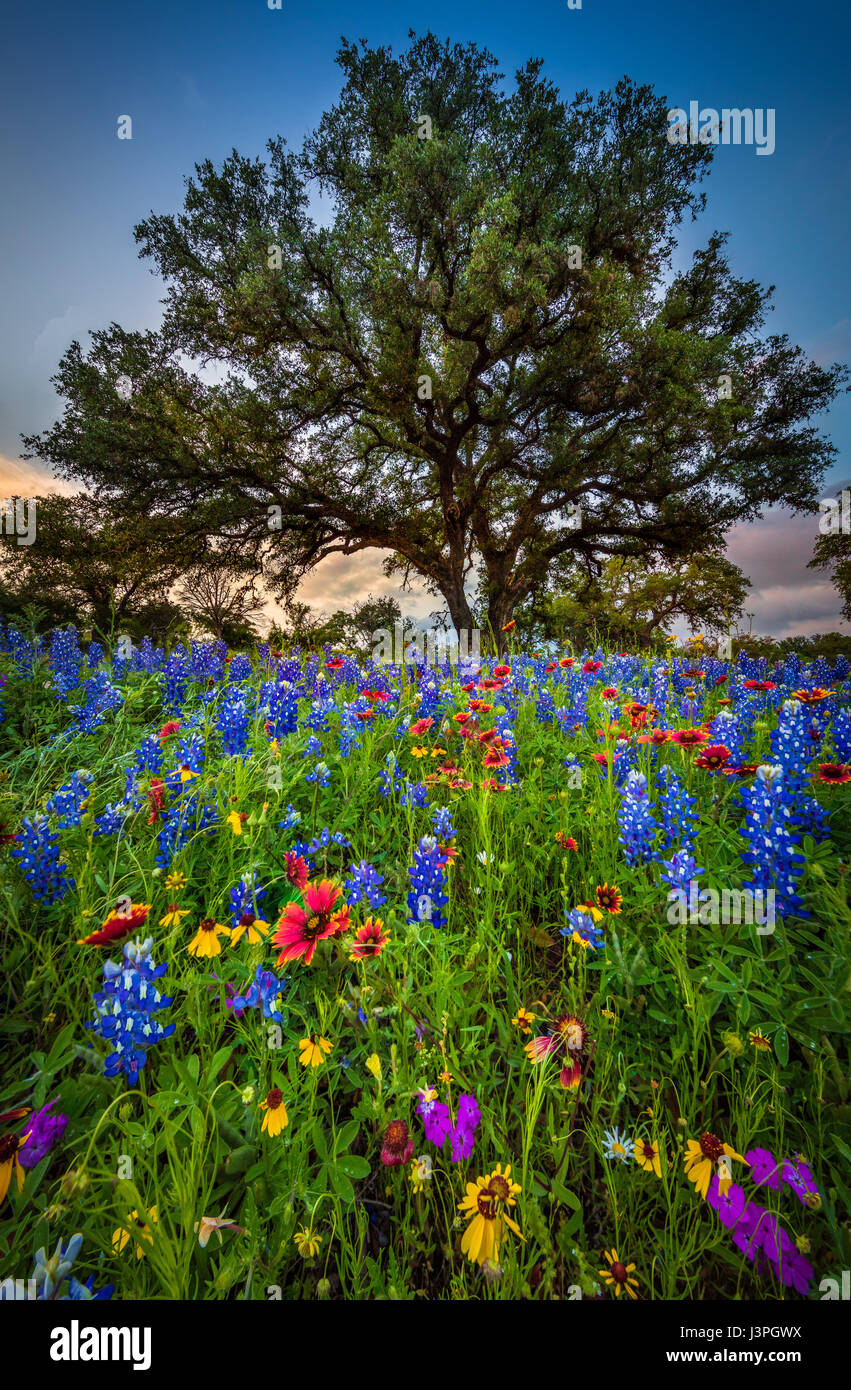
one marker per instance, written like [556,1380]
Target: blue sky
[199,79]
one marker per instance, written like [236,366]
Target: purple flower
[796,1272]
[435,1118]
[438,1125]
[747,1235]
[730,1205]
[764,1168]
[800,1178]
[45,1130]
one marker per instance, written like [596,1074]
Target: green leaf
[218,1062]
[781,1046]
[353,1166]
[346,1136]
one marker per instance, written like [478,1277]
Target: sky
[199,79]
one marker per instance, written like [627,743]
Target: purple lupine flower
[45,1130]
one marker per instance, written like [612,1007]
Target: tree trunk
[459,608]
[500,608]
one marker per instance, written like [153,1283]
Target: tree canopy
[478,359]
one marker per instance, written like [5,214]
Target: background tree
[833,553]
[630,604]
[219,594]
[96,563]
[480,362]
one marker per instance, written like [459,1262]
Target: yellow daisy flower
[175,881]
[276,1118]
[759,1041]
[206,941]
[254,927]
[701,1158]
[308,1243]
[486,1206]
[174,916]
[646,1154]
[523,1020]
[618,1275]
[138,1230]
[313,1051]
[421,1172]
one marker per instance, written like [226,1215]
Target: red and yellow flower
[301,928]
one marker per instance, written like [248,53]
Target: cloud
[786,598]
[21,478]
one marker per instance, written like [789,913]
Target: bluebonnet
[364,882]
[292,818]
[176,672]
[583,923]
[328,837]
[50,1273]
[233,721]
[149,754]
[681,870]
[67,804]
[126,1009]
[262,994]
[239,668]
[180,821]
[65,659]
[441,821]
[768,828]
[427,880]
[100,698]
[545,706]
[111,819]
[679,821]
[313,747]
[320,775]
[38,855]
[638,829]
[842,735]
[279,699]
[391,780]
[245,897]
[414,794]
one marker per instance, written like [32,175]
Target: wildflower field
[328,978]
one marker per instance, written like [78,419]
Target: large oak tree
[414,356]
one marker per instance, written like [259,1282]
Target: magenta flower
[764,1168]
[730,1205]
[45,1130]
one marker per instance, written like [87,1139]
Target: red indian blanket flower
[370,940]
[836,774]
[758,685]
[713,759]
[299,928]
[422,726]
[155,794]
[689,738]
[569,1037]
[398,1146]
[811,696]
[297,872]
[114,928]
